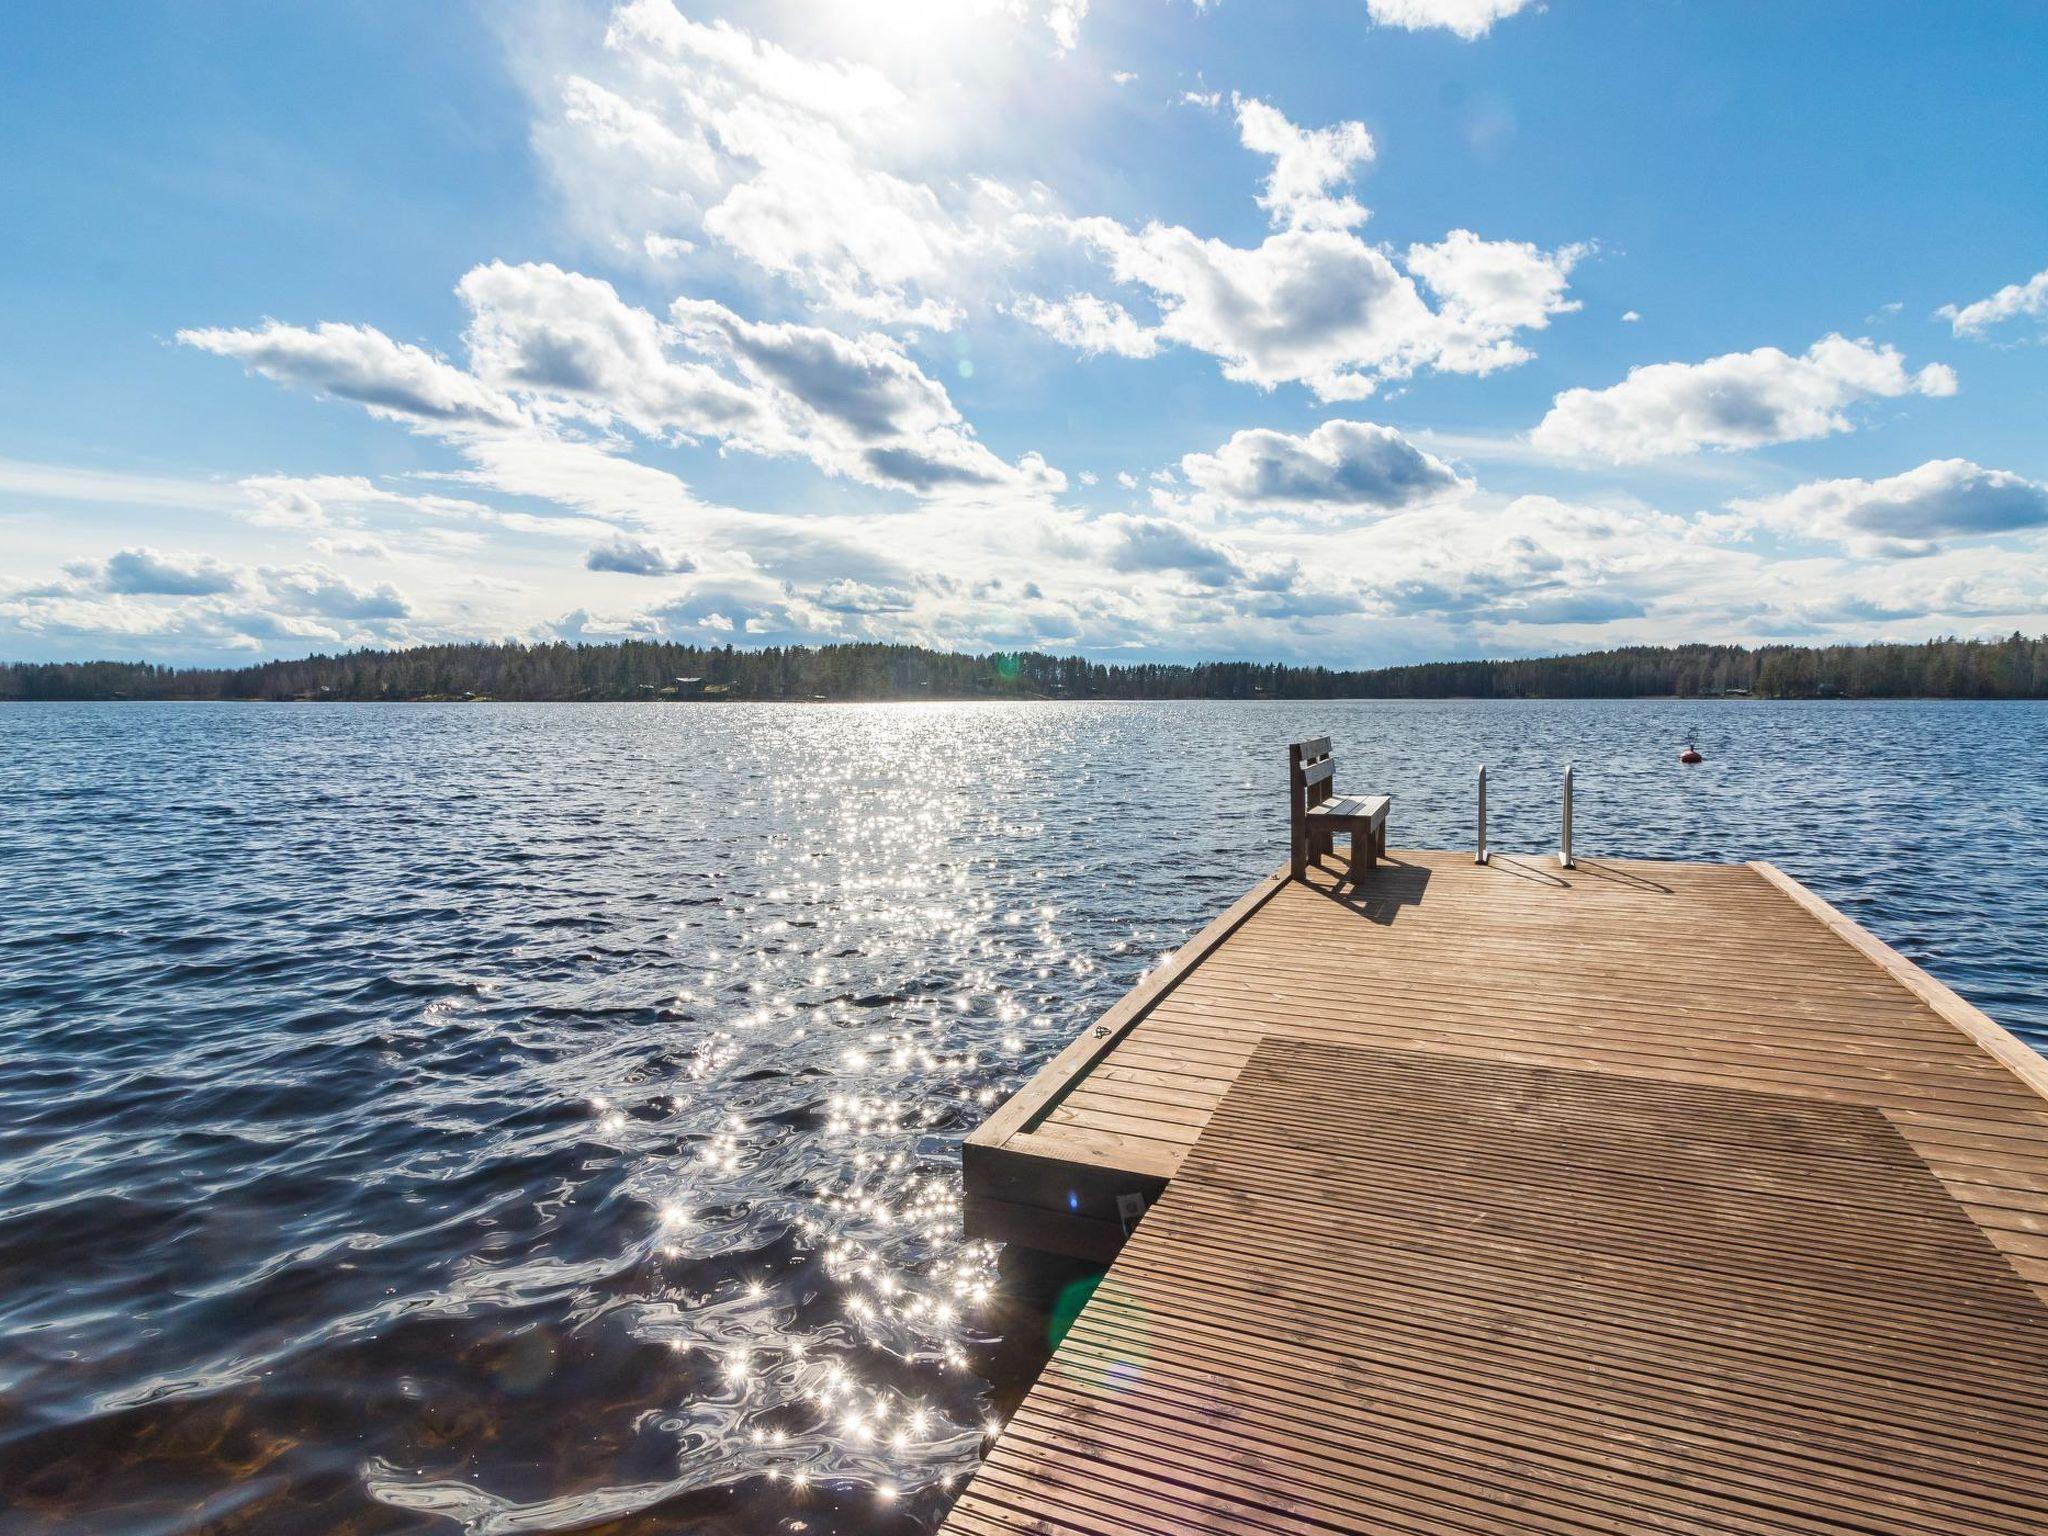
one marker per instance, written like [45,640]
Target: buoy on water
[1691,754]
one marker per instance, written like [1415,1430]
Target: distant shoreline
[1436,698]
[637,671]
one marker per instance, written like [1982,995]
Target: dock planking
[1721,975]
[1390,1291]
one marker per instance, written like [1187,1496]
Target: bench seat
[1372,808]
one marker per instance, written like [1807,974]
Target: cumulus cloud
[2010,302]
[843,595]
[152,572]
[1488,290]
[1738,400]
[1537,561]
[860,404]
[1348,466]
[547,346]
[1307,164]
[186,602]
[566,341]
[1153,544]
[356,362]
[1323,308]
[317,590]
[1910,513]
[1467,18]
[636,557]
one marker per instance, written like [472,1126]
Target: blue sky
[1351,332]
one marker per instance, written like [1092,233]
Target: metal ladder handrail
[1484,855]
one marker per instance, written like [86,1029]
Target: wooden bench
[1317,813]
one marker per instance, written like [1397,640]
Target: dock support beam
[1564,846]
[1483,855]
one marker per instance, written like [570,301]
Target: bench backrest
[1311,779]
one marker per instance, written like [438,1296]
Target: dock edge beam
[1019,1190]
[2011,1052]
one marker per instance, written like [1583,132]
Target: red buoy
[1691,754]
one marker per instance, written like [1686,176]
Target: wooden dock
[1505,1198]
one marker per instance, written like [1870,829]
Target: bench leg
[1361,854]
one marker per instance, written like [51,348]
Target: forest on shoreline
[2013,668]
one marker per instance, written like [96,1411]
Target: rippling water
[524,1118]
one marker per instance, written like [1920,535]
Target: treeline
[2013,668]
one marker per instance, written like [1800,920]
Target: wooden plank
[1408,1292]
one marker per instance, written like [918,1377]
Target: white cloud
[1910,513]
[1342,466]
[567,342]
[1313,303]
[859,404]
[1738,400]
[1538,561]
[149,571]
[636,557]
[818,171]
[1089,325]
[1307,164]
[2010,302]
[1630,317]
[1064,18]
[1321,307]
[1157,544]
[354,362]
[1467,18]
[315,589]
[842,595]
[547,345]
[1488,290]
[183,601]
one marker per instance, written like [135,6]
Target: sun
[912,41]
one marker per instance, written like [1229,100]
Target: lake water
[524,1118]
